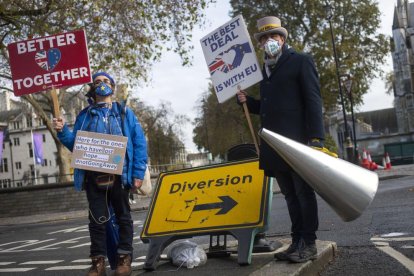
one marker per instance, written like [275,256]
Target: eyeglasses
[98,82]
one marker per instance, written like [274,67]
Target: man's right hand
[241,96]
[58,124]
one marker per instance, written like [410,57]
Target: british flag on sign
[218,64]
[41,60]
[48,60]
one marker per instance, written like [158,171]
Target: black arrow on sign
[226,204]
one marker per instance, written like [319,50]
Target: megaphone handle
[246,112]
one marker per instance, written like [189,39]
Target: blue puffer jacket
[136,153]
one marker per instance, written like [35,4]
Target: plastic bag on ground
[187,254]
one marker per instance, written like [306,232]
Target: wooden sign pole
[246,112]
[55,102]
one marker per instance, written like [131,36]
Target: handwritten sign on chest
[99,152]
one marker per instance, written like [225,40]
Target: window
[3,166]
[16,141]
[30,149]
[44,163]
[19,184]
[45,179]
[32,172]
[16,125]
[18,165]
[29,121]
[40,122]
[44,138]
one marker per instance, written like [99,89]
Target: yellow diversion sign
[206,199]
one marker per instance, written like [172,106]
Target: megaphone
[347,188]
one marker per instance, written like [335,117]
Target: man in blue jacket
[290,104]
[105,116]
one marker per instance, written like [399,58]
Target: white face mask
[272,47]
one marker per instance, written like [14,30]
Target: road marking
[41,262]
[6,263]
[135,264]
[407,246]
[392,239]
[49,247]
[409,264]
[29,243]
[80,245]
[68,267]
[394,234]
[81,261]
[70,230]
[22,269]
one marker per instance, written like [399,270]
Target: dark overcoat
[290,104]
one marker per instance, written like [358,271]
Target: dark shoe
[123,268]
[303,253]
[98,267]
[283,255]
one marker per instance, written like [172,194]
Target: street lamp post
[349,147]
[348,86]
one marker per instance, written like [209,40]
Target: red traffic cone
[384,163]
[365,162]
[369,159]
[387,161]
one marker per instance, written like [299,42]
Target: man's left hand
[137,185]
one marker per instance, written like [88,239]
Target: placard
[52,61]
[99,152]
[231,58]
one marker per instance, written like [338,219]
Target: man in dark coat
[290,104]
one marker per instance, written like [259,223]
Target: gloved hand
[318,145]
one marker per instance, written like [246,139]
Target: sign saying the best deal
[51,61]
[230,58]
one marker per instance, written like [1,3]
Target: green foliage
[218,127]
[330,144]
[360,49]
[124,36]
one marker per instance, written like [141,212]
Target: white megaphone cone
[347,188]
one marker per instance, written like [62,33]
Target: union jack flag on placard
[41,60]
[218,63]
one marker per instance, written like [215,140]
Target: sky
[183,86]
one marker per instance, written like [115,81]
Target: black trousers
[99,200]
[302,205]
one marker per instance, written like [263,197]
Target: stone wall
[41,199]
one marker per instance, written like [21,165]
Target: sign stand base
[245,239]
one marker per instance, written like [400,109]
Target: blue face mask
[103,90]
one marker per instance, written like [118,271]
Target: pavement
[262,263]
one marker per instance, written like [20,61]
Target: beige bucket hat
[269,25]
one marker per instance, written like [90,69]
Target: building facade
[403,64]
[18,167]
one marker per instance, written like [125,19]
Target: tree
[162,129]
[124,37]
[218,127]
[360,48]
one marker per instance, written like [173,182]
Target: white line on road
[6,263]
[41,262]
[392,239]
[409,264]
[80,245]
[68,267]
[22,269]
[82,261]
